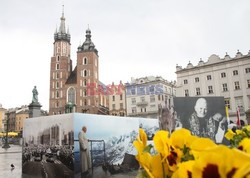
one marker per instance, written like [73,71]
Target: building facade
[2,118]
[21,115]
[73,90]
[228,77]
[145,95]
[117,100]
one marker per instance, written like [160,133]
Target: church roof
[72,77]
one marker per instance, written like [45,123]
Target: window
[152,98]
[185,81]
[85,60]
[247,70]
[162,97]
[113,106]
[210,89]
[196,79]
[57,84]
[57,94]
[142,99]
[198,91]
[237,85]
[235,72]
[71,95]
[85,102]
[113,98]
[57,75]
[120,97]
[57,66]
[239,102]
[85,92]
[227,103]
[134,110]
[85,82]
[223,75]
[209,77]
[186,93]
[133,100]
[121,105]
[159,97]
[224,87]
[85,73]
[248,83]
[57,59]
[145,110]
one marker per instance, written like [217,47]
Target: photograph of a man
[205,118]
[85,159]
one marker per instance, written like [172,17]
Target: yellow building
[21,115]
[2,115]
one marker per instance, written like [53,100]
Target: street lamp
[6,144]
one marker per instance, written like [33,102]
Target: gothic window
[57,66]
[85,82]
[57,59]
[57,94]
[71,95]
[85,73]
[85,61]
[57,75]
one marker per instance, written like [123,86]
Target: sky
[135,38]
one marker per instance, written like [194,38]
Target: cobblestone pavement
[13,155]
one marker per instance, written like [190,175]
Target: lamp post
[6,144]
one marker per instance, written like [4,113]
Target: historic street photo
[48,144]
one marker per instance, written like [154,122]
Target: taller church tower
[69,89]
[60,69]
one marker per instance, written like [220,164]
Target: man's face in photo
[201,107]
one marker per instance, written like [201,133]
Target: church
[69,87]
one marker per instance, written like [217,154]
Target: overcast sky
[135,38]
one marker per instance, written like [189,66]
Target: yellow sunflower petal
[143,137]
[184,170]
[180,137]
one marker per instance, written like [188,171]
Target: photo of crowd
[48,146]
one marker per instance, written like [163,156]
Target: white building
[144,95]
[228,77]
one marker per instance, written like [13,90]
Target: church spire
[61,34]
[62,25]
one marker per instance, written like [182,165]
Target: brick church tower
[69,89]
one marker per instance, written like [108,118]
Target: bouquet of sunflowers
[187,156]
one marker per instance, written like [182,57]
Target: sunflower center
[211,170]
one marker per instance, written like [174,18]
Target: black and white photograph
[203,116]
[48,144]
[104,145]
